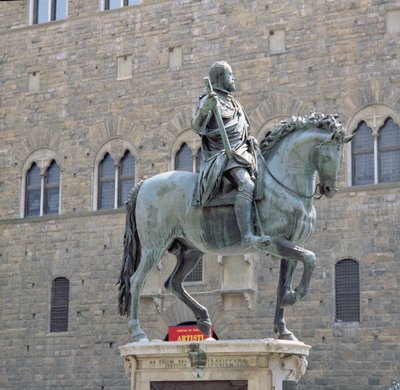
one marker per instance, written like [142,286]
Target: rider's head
[221,76]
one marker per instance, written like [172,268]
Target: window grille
[106,183]
[347,290]
[59,305]
[197,273]
[33,191]
[126,178]
[52,189]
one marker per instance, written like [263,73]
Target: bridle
[294,191]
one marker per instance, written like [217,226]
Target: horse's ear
[348,138]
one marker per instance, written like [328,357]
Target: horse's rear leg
[148,261]
[187,259]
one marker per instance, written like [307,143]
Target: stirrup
[251,241]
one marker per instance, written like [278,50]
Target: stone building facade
[97,82]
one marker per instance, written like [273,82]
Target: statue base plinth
[251,364]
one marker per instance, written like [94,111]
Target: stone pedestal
[249,364]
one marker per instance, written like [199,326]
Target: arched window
[42,193]
[106,183]
[115,181]
[59,305]
[376,154]
[52,189]
[33,191]
[363,155]
[184,159]
[126,178]
[347,291]
[389,152]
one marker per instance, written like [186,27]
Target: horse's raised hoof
[289,298]
[205,327]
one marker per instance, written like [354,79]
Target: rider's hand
[253,140]
[210,103]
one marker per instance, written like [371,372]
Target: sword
[219,120]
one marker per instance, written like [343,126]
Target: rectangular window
[113,4]
[48,10]
[59,305]
[347,291]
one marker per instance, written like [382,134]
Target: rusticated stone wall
[132,76]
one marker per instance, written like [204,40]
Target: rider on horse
[239,164]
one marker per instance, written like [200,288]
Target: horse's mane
[330,123]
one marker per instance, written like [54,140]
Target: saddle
[227,194]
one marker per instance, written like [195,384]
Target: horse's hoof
[205,327]
[139,337]
[287,336]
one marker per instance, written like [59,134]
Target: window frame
[51,13]
[115,156]
[52,318]
[106,180]
[375,117]
[43,160]
[358,314]
[104,4]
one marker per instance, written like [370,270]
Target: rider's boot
[244,217]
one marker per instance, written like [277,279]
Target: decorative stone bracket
[248,295]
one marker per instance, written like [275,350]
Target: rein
[293,191]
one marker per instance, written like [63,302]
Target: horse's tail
[132,252]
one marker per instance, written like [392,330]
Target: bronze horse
[161,217]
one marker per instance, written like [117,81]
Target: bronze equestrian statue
[179,211]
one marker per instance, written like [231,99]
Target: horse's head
[327,158]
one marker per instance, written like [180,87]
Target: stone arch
[179,131]
[272,110]
[373,93]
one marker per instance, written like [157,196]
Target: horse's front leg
[290,255]
[287,250]
[284,285]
